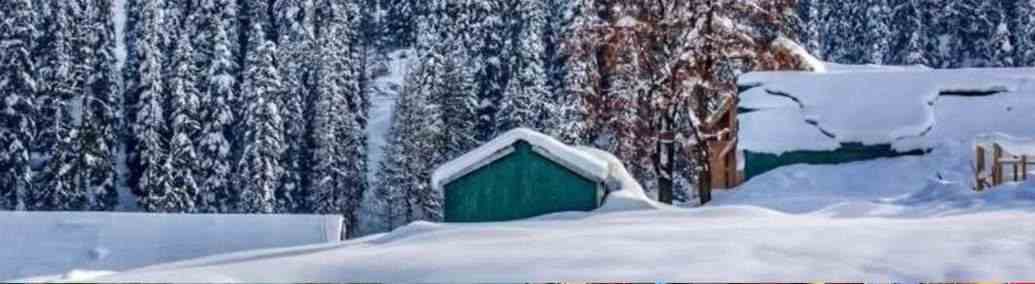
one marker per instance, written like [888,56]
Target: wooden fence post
[979,168]
[1024,167]
[997,166]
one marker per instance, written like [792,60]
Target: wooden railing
[1017,165]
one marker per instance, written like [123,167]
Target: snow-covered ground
[900,219]
[925,231]
[735,243]
[50,243]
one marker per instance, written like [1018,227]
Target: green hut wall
[756,164]
[520,185]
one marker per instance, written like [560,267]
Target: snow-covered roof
[578,161]
[907,107]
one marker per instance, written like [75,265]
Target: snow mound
[569,156]
[626,193]
[937,184]
[738,243]
[909,108]
[53,243]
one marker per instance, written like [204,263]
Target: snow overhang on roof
[578,161]
[909,108]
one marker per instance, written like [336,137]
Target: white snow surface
[627,193]
[584,162]
[901,106]
[939,183]
[384,97]
[72,244]
[879,221]
[734,243]
[902,224]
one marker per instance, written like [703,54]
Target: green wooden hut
[518,175]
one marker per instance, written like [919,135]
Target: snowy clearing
[49,243]
[729,243]
[930,231]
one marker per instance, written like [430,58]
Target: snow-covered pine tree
[975,33]
[389,182]
[418,126]
[129,100]
[526,99]
[61,73]
[253,12]
[458,101]
[1002,48]
[997,47]
[812,18]
[958,28]
[838,32]
[628,102]
[292,58]
[558,17]
[877,31]
[401,21]
[581,72]
[1024,33]
[491,59]
[216,118]
[185,127]
[910,43]
[98,134]
[337,170]
[149,127]
[259,171]
[17,88]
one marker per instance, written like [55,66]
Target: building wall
[521,185]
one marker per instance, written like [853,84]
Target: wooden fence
[987,176]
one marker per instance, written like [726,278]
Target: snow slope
[384,95]
[727,243]
[902,106]
[383,99]
[887,226]
[47,243]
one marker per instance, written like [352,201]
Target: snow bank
[903,222]
[910,108]
[53,243]
[626,193]
[569,156]
[937,184]
[739,244]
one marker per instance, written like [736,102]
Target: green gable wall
[521,185]
[756,164]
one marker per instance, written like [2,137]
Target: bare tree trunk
[664,160]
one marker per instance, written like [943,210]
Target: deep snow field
[906,219]
[919,231]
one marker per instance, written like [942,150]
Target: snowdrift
[48,243]
[901,224]
[735,243]
[938,183]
